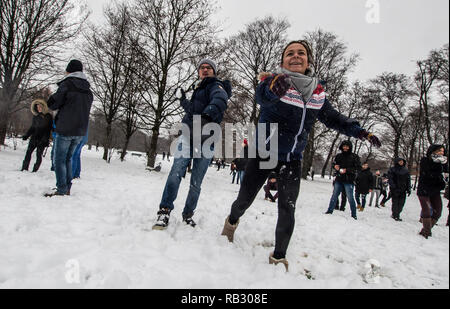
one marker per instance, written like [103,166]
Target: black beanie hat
[74,66]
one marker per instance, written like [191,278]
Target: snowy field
[101,237]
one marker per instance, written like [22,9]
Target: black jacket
[73,100]
[349,161]
[40,129]
[364,181]
[399,178]
[377,182]
[431,180]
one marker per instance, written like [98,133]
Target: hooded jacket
[349,161]
[364,181]
[41,126]
[431,180]
[399,178]
[73,100]
[295,118]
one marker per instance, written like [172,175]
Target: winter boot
[163,219]
[361,209]
[275,261]
[358,207]
[55,193]
[188,220]
[382,205]
[426,230]
[229,229]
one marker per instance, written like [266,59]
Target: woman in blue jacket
[293,98]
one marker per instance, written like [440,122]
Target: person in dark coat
[400,186]
[363,186]
[73,100]
[271,186]
[208,104]
[377,188]
[293,98]
[431,183]
[384,191]
[346,164]
[39,132]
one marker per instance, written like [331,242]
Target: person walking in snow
[73,100]
[209,101]
[363,186]
[384,192]
[39,132]
[431,183]
[400,186]
[377,189]
[346,164]
[293,98]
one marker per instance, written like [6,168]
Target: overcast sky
[406,30]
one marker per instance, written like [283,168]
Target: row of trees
[146,50]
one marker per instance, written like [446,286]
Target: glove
[24,137]
[280,84]
[370,137]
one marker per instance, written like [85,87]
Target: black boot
[188,220]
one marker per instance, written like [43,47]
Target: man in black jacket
[400,185]
[73,100]
[364,185]
[346,164]
[40,134]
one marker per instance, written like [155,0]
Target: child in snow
[293,98]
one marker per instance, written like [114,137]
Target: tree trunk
[308,155]
[330,153]
[124,149]
[151,155]
[107,144]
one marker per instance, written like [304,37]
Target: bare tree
[389,95]
[32,36]
[174,35]
[254,50]
[109,54]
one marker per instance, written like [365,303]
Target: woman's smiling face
[295,58]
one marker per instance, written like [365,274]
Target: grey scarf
[302,83]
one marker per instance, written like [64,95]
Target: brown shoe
[229,229]
[426,230]
[275,261]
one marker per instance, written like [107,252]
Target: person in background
[39,132]
[400,186]
[431,183]
[377,188]
[364,185]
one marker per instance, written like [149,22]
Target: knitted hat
[74,66]
[208,61]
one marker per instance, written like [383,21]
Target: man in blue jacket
[73,100]
[209,101]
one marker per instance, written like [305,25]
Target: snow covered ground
[101,237]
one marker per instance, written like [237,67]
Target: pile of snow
[101,237]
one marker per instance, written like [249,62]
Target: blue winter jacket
[209,99]
[295,122]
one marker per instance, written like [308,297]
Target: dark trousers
[32,145]
[431,206]
[288,179]
[398,201]
[385,199]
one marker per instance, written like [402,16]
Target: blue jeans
[52,154]
[76,160]
[64,149]
[180,164]
[338,188]
[240,175]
